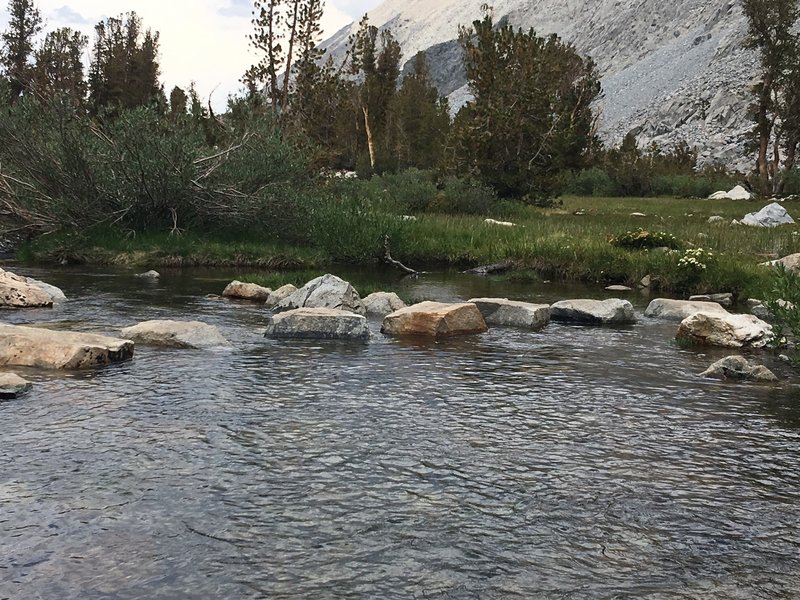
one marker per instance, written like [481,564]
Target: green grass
[568,243]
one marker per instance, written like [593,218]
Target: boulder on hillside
[318,324]
[501,312]
[380,304]
[790,263]
[771,215]
[435,319]
[327,291]
[737,367]
[724,298]
[176,334]
[17,291]
[715,219]
[737,193]
[279,295]
[601,312]
[726,331]
[246,291]
[34,347]
[13,386]
[678,310]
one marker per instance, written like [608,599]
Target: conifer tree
[266,38]
[18,41]
[58,66]
[177,102]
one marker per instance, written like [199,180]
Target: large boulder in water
[176,334]
[34,347]
[25,292]
[327,291]
[771,215]
[246,291]
[737,367]
[501,312]
[319,324]
[435,319]
[727,331]
[600,312]
[12,385]
[279,295]
[678,310]
[380,304]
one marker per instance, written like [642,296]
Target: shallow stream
[578,462]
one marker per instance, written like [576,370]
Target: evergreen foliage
[58,68]
[18,42]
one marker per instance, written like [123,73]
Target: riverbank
[569,243]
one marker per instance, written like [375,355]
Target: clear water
[576,462]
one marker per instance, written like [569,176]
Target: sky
[204,41]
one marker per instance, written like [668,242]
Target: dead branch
[387,258]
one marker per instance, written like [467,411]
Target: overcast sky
[201,40]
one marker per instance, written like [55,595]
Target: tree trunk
[370,140]
[764,129]
[289,55]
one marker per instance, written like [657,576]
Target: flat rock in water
[435,319]
[246,291]
[25,292]
[501,312]
[279,295]
[380,304]
[327,291]
[13,386]
[618,288]
[737,367]
[602,312]
[318,324]
[723,299]
[771,215]
[176,334]
[726,331]
[44,348]
[678,310]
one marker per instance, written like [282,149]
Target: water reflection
[572,462]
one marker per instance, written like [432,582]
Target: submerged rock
[13,386]
[318,323]
[176,334]
[678,310]
[737,367]
[327,291]
[149,275]
[34,347]
[727,331]
[602,312]
[17,291]
[435,319]
[771,215]
[246,291]
[502,312]
[380,304]
[279,295]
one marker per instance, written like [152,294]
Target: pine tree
[177,102]
[266,38]
[58,66]
[24,24]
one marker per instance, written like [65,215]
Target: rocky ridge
[671,71]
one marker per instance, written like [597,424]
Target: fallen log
[499,267]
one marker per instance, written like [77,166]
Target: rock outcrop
[599,312]
[501,312]
[726,331]
[380,304]
[327,291]
[34,347]
[737,367]
[678,310]
[318,324]
[772,215]
[13,386]
[246,291]
[17,291]
[176,334]
[435,319]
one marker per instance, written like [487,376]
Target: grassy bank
[567,243]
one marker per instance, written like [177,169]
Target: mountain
[671,71]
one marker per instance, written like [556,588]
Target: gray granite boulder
[279,295]
[380,304]
[17,291]
[601,312]
[13,386]
[678,310]
[771,215]
[501,312]
[246,291]
[176,334]
[726,331]
[318,324]
[327,291]
[737,367]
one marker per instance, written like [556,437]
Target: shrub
[642,238]
[783,302]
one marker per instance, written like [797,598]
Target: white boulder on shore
[502,312]
[726,331]
[176,334]
[327,291]
[45,348]
[17,291]
[678,310]
[435,319]
[318,324]
[600,312]
[240,290]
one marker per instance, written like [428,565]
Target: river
[578,462]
